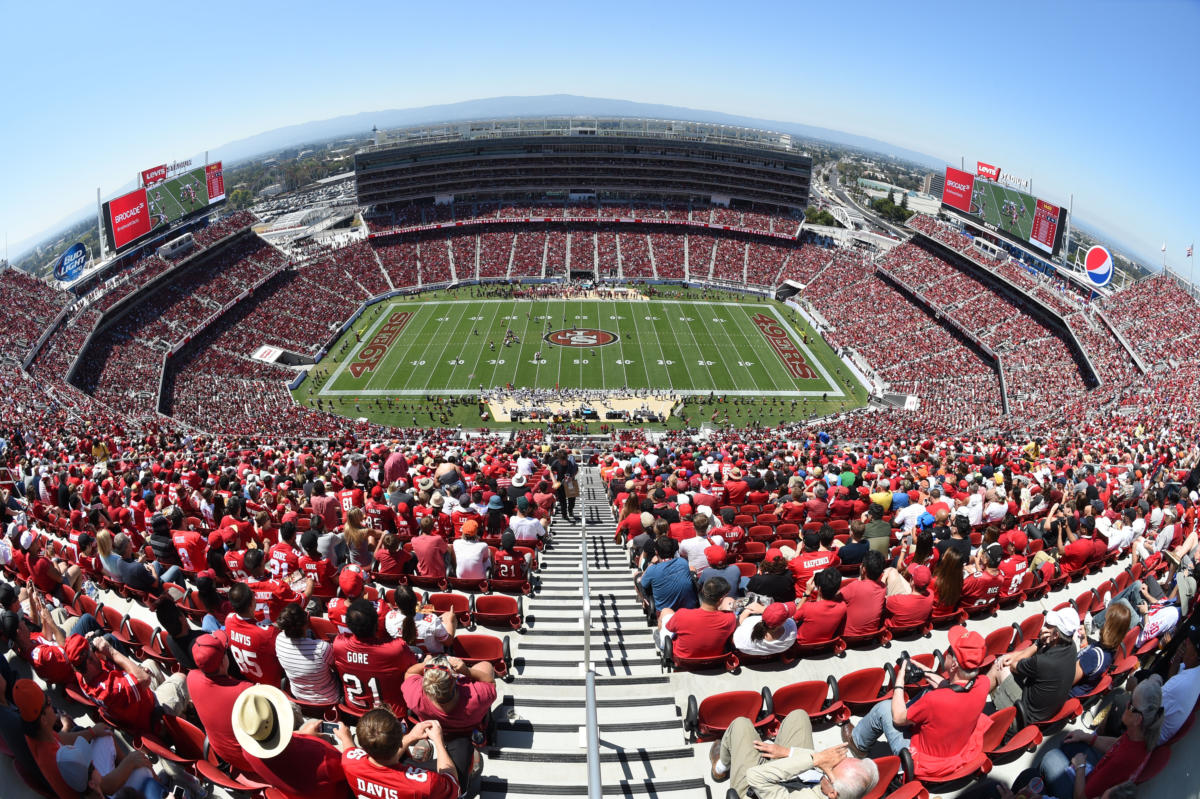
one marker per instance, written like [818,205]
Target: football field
[454,347]
[171,199]
[996,200]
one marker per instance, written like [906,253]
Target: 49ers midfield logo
[581,337]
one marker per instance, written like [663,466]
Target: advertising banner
[959,186]
[128,217]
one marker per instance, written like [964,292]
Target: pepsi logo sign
[1099,265]
[581,337]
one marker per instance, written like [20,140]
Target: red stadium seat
[708,720]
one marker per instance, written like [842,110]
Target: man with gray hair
[788,768]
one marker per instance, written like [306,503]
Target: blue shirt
[671,583]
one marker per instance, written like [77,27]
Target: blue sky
[1098,99]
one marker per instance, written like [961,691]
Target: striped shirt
[308,664]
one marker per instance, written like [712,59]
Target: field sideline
[687,347]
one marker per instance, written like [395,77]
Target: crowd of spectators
[1157,318]
[27,307]
[940,526]
[256,561]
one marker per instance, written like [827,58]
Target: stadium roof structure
[673,129]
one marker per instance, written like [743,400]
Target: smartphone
[328,727]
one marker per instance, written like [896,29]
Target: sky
[1092,99]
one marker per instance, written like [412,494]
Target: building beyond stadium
[584,158]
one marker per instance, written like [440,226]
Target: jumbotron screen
[1015,215]
[162,203]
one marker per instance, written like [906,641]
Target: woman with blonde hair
[359,538]
[460,698]
[108,558]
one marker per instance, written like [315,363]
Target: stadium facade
[572,157]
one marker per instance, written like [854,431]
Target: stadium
[609,340]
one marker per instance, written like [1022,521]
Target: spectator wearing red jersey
[271,594]
[49,575]
[704,631]
[191,548]
[372,667]
[1015,565]
[982,586]
[736,488]
[823,618]
[251,642]
[391,559]
[816,508]
[944,727]
[300,764]
[320,569]
[378,515]
[431,549]
[352,585]
[446,690]
[865,596]
[811,560]
[508,564]
[283,559]
[916,606]
[213,691]
[115,682]
[381,763]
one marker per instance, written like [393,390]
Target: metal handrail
[591,726]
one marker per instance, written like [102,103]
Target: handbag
[570,487]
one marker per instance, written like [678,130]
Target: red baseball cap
[77,648]
[969,648]
[1019,540]
[208,651]
[773,553]
[921,576]
[351,582]
[775,614]
[715,554]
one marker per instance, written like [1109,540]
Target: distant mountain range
[543,105]
[498,107]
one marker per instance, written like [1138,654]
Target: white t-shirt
[431,633]
[527,529]
[471,558]
[743,643]
[693,549]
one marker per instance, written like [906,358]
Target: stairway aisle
[539,721]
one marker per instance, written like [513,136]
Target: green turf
[168,198]
[687,345]
[994,197]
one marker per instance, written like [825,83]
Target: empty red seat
[461,605]
[861,689]
[816,698]
[708,720]
[498,611]
[1025,739]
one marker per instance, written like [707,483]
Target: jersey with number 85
[253,649]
